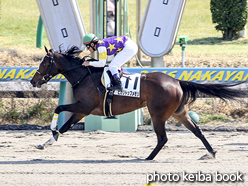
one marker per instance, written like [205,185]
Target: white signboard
[159,27]
[63,23]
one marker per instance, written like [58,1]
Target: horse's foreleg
[50,141]
[54,123]
[185,119]
[75,108]
[72,121]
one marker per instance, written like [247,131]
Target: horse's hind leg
[159,128]
[160,109]
[185,119]
[158,120]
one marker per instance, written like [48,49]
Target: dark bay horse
[163,95]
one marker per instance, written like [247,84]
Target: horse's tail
[222,91]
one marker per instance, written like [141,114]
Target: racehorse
[163,95]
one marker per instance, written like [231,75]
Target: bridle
[47,76]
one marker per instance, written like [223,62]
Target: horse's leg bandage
[54,121]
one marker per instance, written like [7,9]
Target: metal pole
[116,21]
[93,21]
[120,18]
[93,17]
[62,93]
[105,17]
[138,23]
[242,33]
[158,61]
[97,21]
[39,35]
[65,97]
[102,21]
[125,18]
[183,56]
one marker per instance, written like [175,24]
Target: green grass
[197,21]
[41,112]
[206,117]
[203,37]
[19,21]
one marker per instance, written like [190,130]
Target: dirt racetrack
[117,158]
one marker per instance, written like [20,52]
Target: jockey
[123,48]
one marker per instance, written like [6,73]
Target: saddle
[131,88]
[130,82]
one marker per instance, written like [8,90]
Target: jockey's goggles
[87,46]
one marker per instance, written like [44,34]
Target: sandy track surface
[117,158]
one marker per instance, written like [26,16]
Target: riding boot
[117,84]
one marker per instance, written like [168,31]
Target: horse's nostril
[32,82]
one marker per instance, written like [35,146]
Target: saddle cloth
[130,84]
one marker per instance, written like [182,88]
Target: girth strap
[108,99]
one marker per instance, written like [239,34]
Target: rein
[70,69]
[78,81]
[94,81]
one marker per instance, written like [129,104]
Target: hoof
[213,154]
[149,159]
[206,157]
[40,147]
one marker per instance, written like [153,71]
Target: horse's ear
[46,49]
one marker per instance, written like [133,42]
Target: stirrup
[116,87]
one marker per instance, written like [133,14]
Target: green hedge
[230,16]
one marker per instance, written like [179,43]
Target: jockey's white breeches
[123,56]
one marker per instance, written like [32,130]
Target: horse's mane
[71,53]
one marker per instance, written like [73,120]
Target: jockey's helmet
[88,38]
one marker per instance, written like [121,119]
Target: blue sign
[187,74]
[199,74]
[23,74]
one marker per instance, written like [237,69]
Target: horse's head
[47,69]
